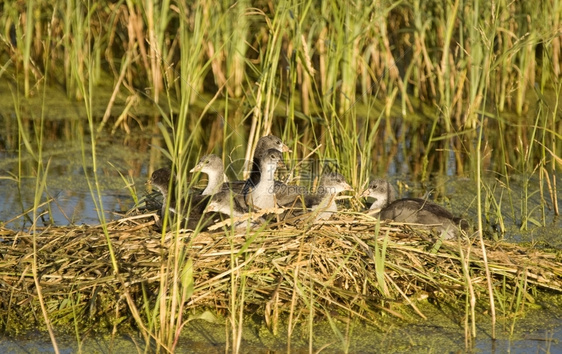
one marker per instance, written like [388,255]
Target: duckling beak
[285,148]
[365,194]
[210,208]
[197,168]
[347,187]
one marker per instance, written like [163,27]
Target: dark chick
[412,210]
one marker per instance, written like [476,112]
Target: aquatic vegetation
[414,88]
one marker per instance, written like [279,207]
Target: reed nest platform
[351,263]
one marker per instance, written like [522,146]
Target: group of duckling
[262,195]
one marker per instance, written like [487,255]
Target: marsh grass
[328,66]
[363,88]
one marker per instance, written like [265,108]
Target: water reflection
[69,167]
[59,206]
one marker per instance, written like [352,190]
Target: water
[121,174]
[538,333]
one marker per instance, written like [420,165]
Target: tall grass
[317,62]
[36,213]
[373,84]
[33,145]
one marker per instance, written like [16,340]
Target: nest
[351,263]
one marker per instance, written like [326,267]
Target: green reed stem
[380,258]
[40,187]
[312,310]
[480,101]
[86,89]
[470,304]
[479,183]
[27,45]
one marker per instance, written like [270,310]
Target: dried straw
[330,266]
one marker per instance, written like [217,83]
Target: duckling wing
[463,223]
[402,210]
[236,187]
[419,211]
[287,195]
[251,182]
[196,204]
[313,200]
[434,208]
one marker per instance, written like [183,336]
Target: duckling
[262,195]
[191,209]
[324,201]
[383,192]
[264,143]
[412,210]
[212,165]
[228,203]
[160,179]
[218,181]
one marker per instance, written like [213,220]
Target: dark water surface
[539,331]
[121,173]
